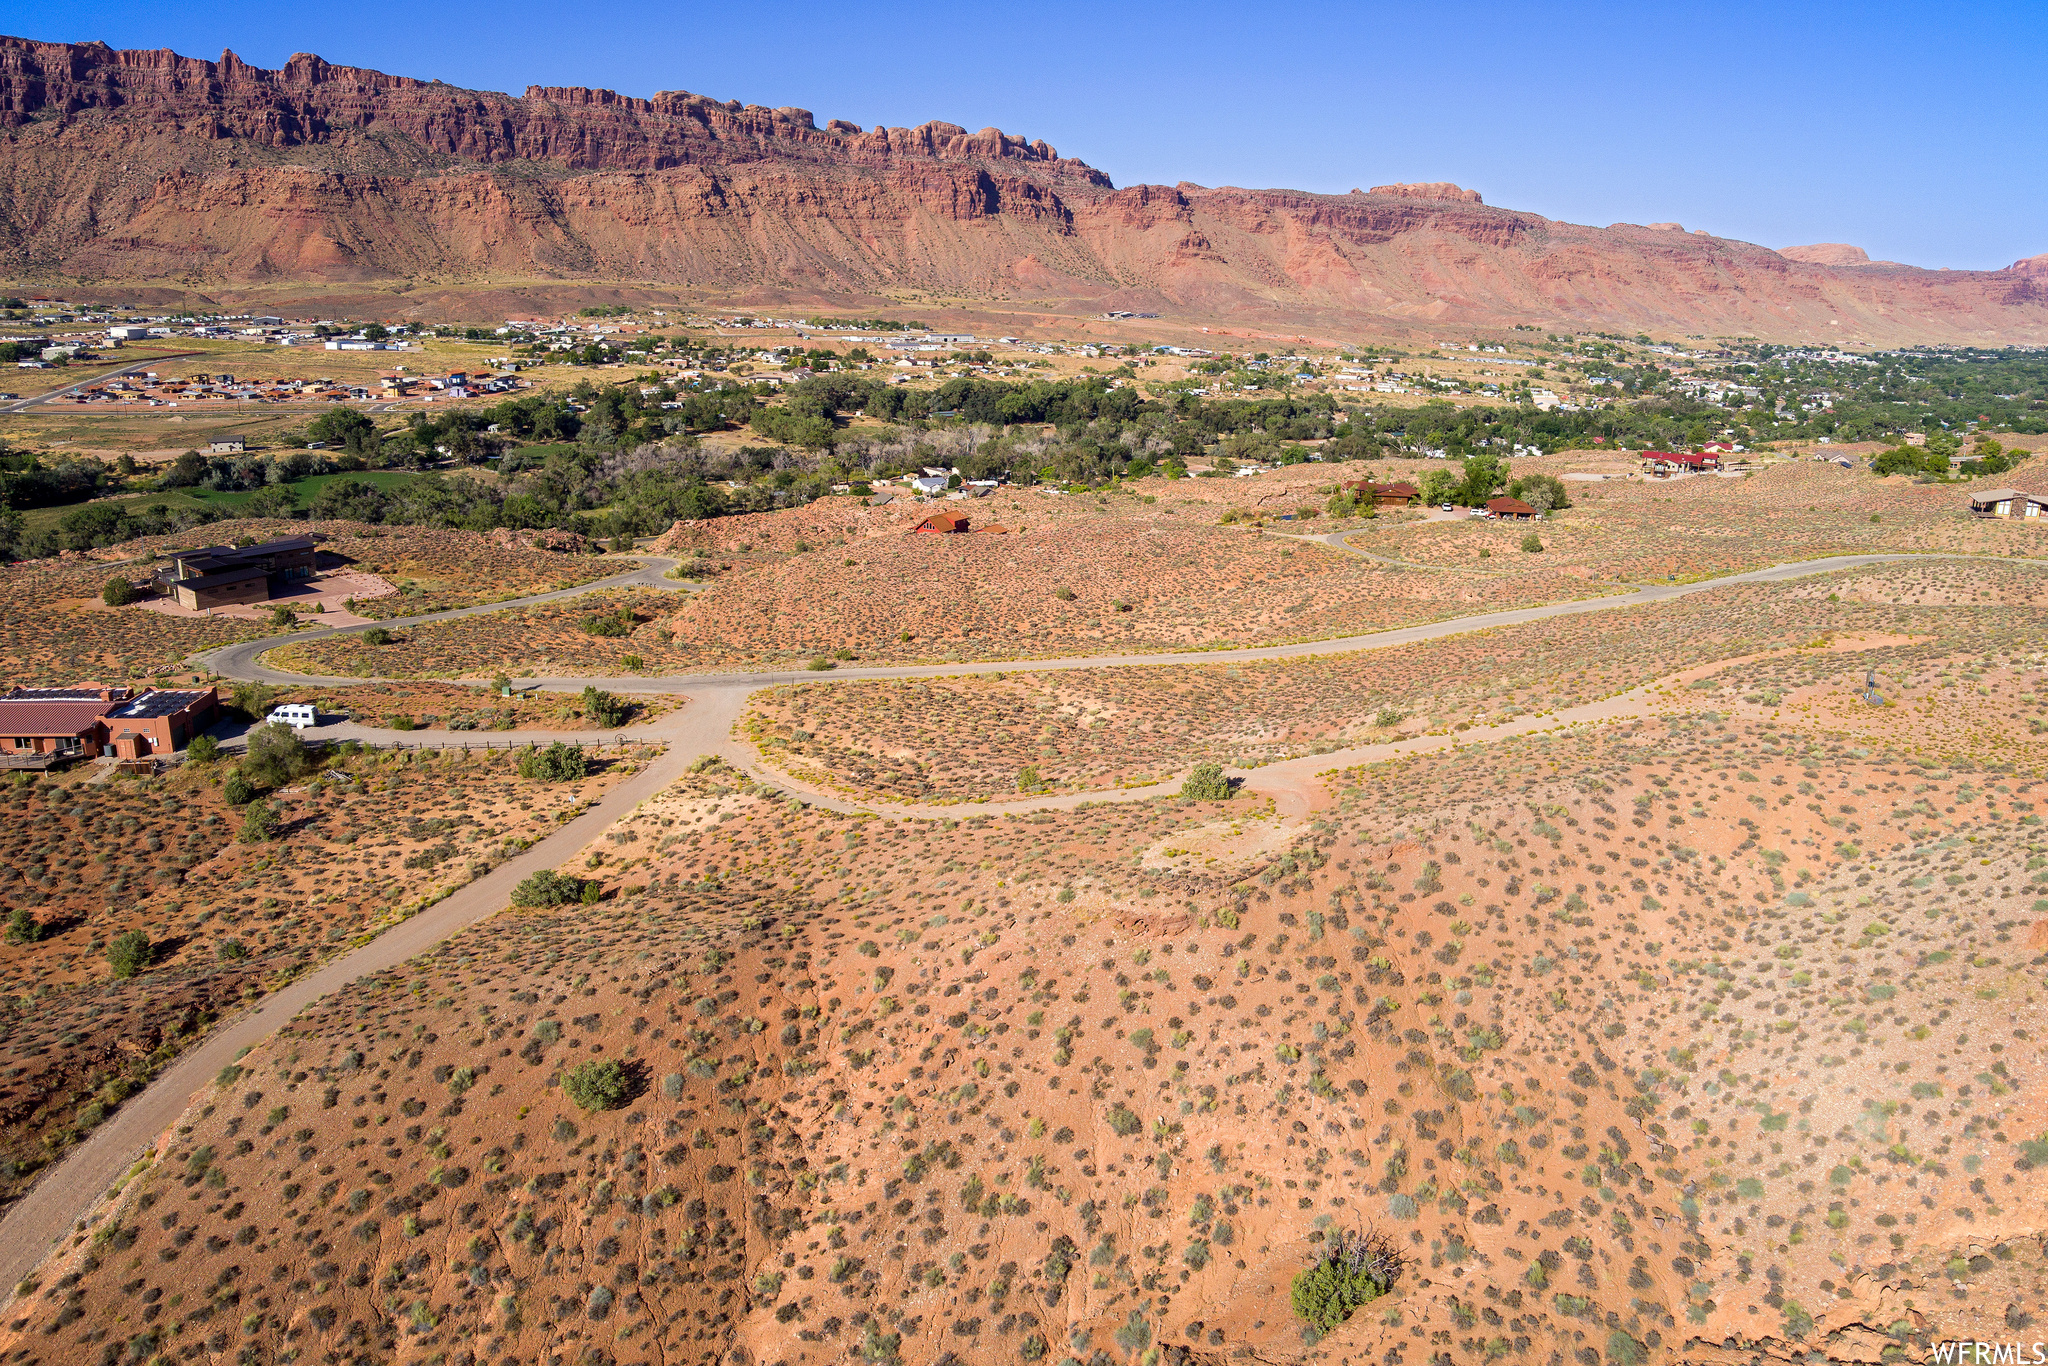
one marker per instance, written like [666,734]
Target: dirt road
[73,1189]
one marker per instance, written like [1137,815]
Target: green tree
[596,1085]
[23,928]
[558,763]
[550,888]
[272,500]
[1544,492]
[129,953]
[606,709]
[118,593]
[1206,784]
[1485,476]
[276,756]
[204,749]
[1439,487]
[346,428]
[236,790]
[259,823]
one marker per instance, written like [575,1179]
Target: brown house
[40,725]
[222,575]
[1385,495]
[1511,509]
[941,524]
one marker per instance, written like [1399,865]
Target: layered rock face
[148,168]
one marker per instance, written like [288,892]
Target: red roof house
[1511,509]
[941,524]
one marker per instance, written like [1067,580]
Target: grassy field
[227,504]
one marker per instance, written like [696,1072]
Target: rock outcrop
[1435,189]
[1827,254]
[148,174]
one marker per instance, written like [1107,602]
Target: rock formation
[125,171]
[1435,189]
[1827,254]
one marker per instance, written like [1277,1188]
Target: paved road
[703,725]
[25,404]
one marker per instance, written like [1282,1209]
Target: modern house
[222,575]
[2008,503]
[39,726]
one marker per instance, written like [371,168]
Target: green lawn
[227,504]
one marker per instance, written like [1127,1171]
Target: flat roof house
[221,575]
[2008,503]
[39,726]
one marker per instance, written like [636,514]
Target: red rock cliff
[149,168]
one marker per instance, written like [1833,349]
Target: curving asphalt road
[71,1191]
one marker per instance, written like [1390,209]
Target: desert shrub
[1532,543]
[1353,1270]
[550,888]
[1063,594]
[1387,718]
[604,708]
[1206,784]
[231,951]
[613,624]
[1123,1121]
[558,763]
[377,635]
[236,790]
[596,1085]
[23,928]
[118,593]
[276,756]
[259,823]
[129,953]
[1028,779]
[204,749]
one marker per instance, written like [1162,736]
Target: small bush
[129,953]
[550,888]
[613,624]
[23,928]
[259,823]
[1206,784]
[1123,1121]
[236,791]
[204,749]
[118,593]
[604,708]
[1028,779]
[231,951]
[1354,1270]
[377,635]
[558,763]
[598,1085]
[1063,594]
[1532,543]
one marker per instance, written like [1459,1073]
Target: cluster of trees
[1933,459]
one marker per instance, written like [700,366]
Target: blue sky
[1915,132]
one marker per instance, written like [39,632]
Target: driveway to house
[71,1191]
